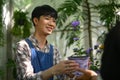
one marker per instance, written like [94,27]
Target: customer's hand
[87,75]
[65,66]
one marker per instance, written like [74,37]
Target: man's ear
[35,21]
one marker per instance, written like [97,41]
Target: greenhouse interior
[93,19]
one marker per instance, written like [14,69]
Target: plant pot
[83,63]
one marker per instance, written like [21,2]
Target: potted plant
[81,55]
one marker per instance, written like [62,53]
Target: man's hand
[87,75]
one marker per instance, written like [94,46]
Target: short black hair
[44,10]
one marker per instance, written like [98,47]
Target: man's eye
[54,20]
[47,18]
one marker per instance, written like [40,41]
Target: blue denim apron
[40,60]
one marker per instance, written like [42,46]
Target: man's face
[45,25]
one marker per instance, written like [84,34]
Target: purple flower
[75,38]
[95,58]
[89,50]
[99,51]
[96,46]
[75,23]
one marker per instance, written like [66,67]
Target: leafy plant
[22,24]
[92,17]
[108,12]
[79,49]
[67,9]
[1,72]
[81,10]
[95,64]
[88,13]
[11,64]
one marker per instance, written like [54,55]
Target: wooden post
[9,70]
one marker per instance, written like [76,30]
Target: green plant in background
[22,24]
[108,13]
[1,23]
[88,13]
[81,10]
[98,50]
[11,64]
[67,9]
[1,72]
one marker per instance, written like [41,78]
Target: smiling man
[36,58]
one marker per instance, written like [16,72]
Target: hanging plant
[22,24]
